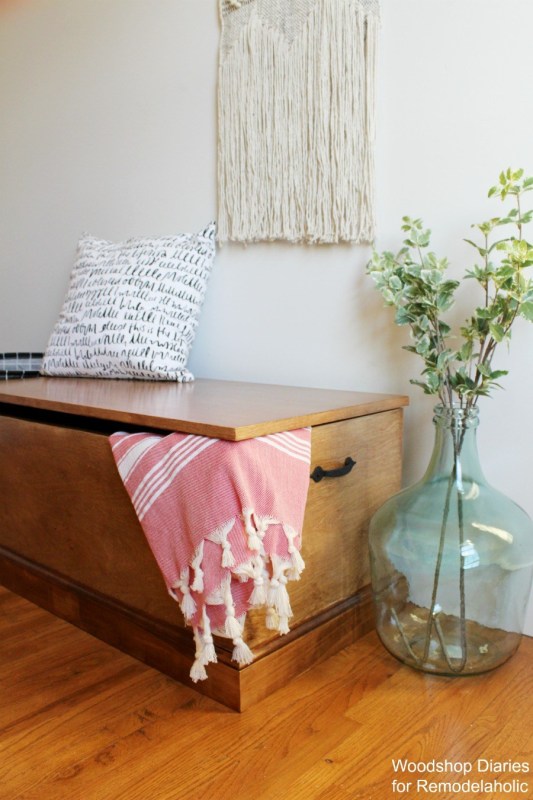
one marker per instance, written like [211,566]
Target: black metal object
[318,473]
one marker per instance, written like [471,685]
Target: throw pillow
[132,308]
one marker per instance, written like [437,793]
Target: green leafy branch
[415,283]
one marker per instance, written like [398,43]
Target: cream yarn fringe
[296,120]
[269,572]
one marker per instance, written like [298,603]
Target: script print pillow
[132,308]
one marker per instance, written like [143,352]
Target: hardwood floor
[79,720]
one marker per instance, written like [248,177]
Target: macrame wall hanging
[296,120]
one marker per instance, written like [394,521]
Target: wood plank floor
[79,720]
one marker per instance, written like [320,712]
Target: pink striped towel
[224,521]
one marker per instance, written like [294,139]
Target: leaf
[503,245]
[431,276]
[481,250]
[444,359]
[433,381]
[402,317]
[494,245]
[424,239]
[423,386]
[498,373]
[445,300]
[484,370]
[424,346]
[465,353]
[526,310]
[497,331]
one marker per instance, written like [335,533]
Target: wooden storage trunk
[70,540]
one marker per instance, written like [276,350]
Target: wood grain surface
[224,409]
[81,721]
[170,648]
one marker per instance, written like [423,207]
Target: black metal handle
[318,473]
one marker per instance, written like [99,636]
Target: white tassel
[298,564]
[232,627]
[198,671]
[278,596]
[198,583]
[258,596]
[241,652]
[220,536]
[209,654]
[188,604]
[228,559]
[272,619]
[283,626]
[254,542]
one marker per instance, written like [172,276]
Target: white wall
[108,125]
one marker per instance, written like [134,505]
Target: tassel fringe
[220,536]
[278,597]
[198,583]
[241,652]
[209,655]
[187,602]
[187,605]
[258,596]
[272,619]
[254,541]
[198,671]
[296,121]
[269,574]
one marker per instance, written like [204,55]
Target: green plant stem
[462,596]
[438,564]
[442,641]
[432,620]
[486,270]
[404,637]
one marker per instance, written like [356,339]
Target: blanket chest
[70,540]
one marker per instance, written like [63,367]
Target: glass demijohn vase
[451,561]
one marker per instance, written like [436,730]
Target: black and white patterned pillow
[132,308]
